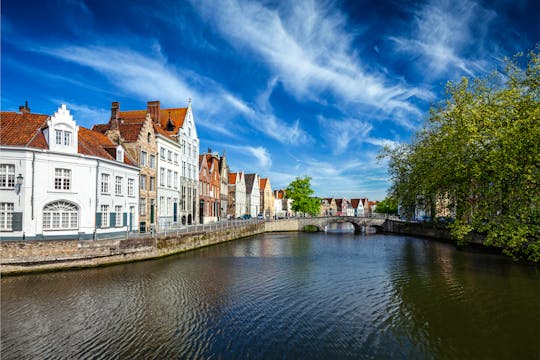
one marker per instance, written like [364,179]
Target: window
[58,134]
[104,215]
[120,154]
[189,150]
[161,204]
[131,185]
[143,158]
[60,215]
[169,155]
[7,176]
[176,179]
[161,176]
[62,179]
[67,138]
[104,183]
[175,158]
[152,183]
[169,176]
[153,161]
[6,216]
[143,182]
[148,137]
[118,216]
[184,147]
[118,185]
[142,207]
[63,137]
[183,201]
[183,168]
[162,153]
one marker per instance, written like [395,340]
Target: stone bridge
[298,224]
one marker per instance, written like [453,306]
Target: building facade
[209,188]
[237,203]
[266,198]
[136,134]
[253,196]
[59,180]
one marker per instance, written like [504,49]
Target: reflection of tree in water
[459,304]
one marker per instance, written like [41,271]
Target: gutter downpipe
[33,173]
[96,208]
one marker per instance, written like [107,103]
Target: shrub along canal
[292,295]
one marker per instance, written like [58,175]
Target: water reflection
[292,295]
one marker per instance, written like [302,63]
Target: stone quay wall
[18,257]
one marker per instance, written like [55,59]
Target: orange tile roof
[355,202]
[23,129]
[232,178]
[262,183]
[176,115]
[26,130]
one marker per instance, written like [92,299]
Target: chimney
[24,109]
[115,111]
[154,110]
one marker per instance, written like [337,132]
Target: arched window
[60,215]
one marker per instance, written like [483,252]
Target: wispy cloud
[449,35]
[152,77]
[84,114]
[307,45]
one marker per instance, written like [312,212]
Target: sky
[287,89]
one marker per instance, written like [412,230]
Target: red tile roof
[27,130]
[262,183]
[175,115]
[355,202]
[23,129]
[232,178]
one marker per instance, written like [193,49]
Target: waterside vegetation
[478,157]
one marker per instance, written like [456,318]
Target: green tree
[300,192]
[480,151]
[388,206]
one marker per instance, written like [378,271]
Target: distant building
[252,194]
[209,188]
[328,207]
[356,208]
[266,198]
[237,203]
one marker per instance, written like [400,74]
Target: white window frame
[143,158]
[60,215]
[169,178]
[62,179]
[131,187]
[142,185]
[118,219]
[105,188]
[142,206]
[118,185]
[153,161]
[6,216]
[161,176]
[7,176]
[104,216]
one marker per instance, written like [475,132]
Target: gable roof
[262,183]
[26,129]
[355,203]
[250,180]
[168,118]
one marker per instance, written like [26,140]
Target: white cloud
[308,47]
[444,30]
[151,77]
[85,115]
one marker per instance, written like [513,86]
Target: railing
[175,229]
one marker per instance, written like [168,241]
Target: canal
[282,295]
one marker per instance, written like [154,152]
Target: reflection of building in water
[339,228]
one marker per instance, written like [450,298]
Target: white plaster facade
[168,181]
[60,195]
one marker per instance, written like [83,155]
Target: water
[293,295]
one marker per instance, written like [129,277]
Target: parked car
[245,217]
[260,217]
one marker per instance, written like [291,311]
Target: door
[175,212]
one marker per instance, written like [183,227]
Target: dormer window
[119,154]
[63,137]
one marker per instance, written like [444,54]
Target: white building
[253,196]
[62,181]
[177,163]
[236,201]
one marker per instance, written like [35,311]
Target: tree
[300,192]
[480,152]
[388,206]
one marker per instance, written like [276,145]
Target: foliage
[480,153]
[300,192]
[387,206]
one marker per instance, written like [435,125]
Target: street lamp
[18,184]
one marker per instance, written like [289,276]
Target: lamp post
[18,184]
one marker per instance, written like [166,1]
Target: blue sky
[287,88]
